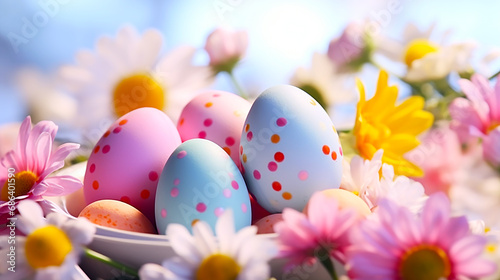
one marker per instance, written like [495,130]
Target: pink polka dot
[256,174]
[106,149]
[218,211]
[176,182]
[340,150]
[272,166]
[118,129]
[249,136]
[216,95]
[174,192]
[153,176]
[281,122]
[201,207]
[207,122]
[235,185]
[244,207]
[230,141]
[181,154]
[92,168]
[163,213]
[202,134]
[303,175]
[227,193]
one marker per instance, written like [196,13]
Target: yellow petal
[400,143]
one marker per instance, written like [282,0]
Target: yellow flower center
[137,91]
[20,184]
[418,49]
[47,246]
[218,267]
[424,262]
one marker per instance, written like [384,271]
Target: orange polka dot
[125,199]
[194,222]
[209,104]
[247,127]
[241,150]
[334,155]
[122,122]
[145,194]
[96,149]
[287,195]
[181,122]
[275,138]
[228,151]
[326,150]
[95,185]
[107,133]
[244,157]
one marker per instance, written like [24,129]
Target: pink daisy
[478,115]
[324,232]
[396,244]
[24,171]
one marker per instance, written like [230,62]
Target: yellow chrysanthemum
[380,124]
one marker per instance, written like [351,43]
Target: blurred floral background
[300,27]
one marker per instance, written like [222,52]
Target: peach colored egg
[266,224]
[346,199]
[118,215]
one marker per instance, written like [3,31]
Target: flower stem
[102,258]
[494,75]
[328,265]
[237,85]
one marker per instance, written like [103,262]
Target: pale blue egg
[198,183]
[289,149]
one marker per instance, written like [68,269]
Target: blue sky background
[283,33]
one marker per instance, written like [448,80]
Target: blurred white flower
[426,59]
[366,179]
[44,99]
[125,73]
[323,83]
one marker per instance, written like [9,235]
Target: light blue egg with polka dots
[198,183]
[289,149]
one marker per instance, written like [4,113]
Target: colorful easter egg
[199,182]
[346,199]
[217,116]
[127,161]
[266,224]
[118,215]
[289,149]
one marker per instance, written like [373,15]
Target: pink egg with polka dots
[217,116]
[126,162]
[289,149]
[266,224]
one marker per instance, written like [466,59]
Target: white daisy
[45,101]
[51,247]
[362,178]
[324,83]
[125,73]
[228,255]
[427,60]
